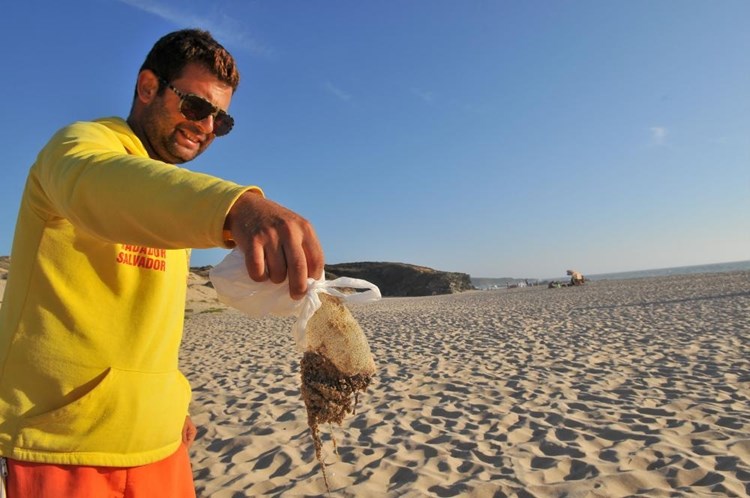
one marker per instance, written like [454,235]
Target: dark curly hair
[175,50]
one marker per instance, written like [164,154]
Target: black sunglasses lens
[223,123]
[195,108]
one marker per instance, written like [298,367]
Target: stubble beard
[162,138]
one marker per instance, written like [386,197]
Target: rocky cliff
[4,267]
[400,279]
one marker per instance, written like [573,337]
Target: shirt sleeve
[86,175]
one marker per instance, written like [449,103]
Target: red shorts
[168,478]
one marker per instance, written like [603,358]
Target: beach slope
[611,389]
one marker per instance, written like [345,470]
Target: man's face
[170,136]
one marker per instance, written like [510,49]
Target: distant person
[91,400]
[576,278]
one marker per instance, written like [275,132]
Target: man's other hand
[188,432]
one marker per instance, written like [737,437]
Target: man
[91,401]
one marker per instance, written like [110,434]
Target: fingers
[255,262]
[304,259]
[189,432]
[276,264]
[273,258]
[314,257]
[296,266]
[278,244]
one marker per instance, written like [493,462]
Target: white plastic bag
[235,288]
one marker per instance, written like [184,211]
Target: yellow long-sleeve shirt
[93,309]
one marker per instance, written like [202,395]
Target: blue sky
[496,138]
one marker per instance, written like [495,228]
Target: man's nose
[206,124]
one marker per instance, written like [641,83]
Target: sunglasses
[197,108]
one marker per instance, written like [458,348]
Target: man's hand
[188,432]
[277,243]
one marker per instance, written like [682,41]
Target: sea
[679,270]
[499,283]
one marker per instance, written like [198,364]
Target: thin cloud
[719,140]
[225,28]
[659,135]
[337,92]
[426,96]
[474,109]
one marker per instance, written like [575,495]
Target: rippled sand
[613,389]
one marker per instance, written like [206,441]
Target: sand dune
[617,388]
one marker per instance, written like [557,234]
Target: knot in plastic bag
[235,288]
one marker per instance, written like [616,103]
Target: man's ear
[147,86]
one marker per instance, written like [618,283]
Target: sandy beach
[617,388]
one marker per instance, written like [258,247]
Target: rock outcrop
[4,267]
[402,280]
